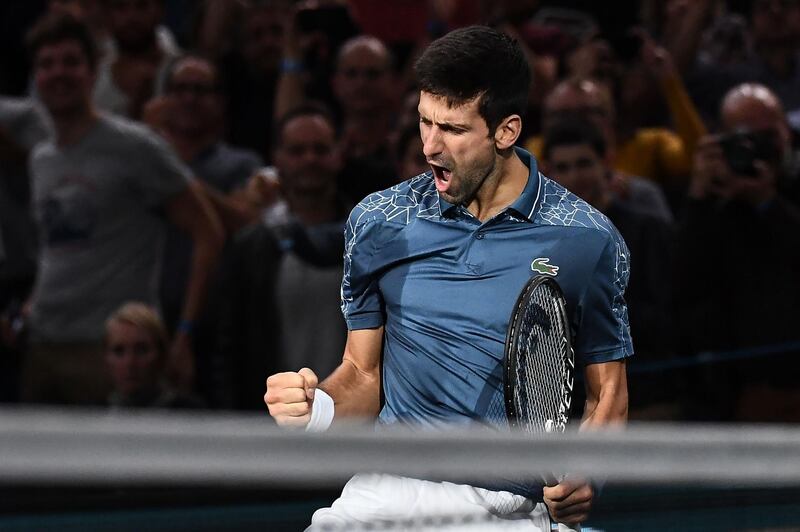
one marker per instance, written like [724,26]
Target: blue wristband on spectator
[290,66]
[185,326]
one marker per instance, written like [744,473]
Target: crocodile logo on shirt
[542,265]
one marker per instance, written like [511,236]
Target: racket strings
[541,370]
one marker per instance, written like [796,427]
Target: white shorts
[380,501]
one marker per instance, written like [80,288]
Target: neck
[72,126]
[500,188]
[313,208]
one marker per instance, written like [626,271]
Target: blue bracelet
[291,66]
[185,326]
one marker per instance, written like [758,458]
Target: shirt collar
[525,205]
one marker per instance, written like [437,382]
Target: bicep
[363,350]
[356,384]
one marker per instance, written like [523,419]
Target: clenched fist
[290,397]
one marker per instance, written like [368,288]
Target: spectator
[190,115]
[739,246]
[285,275]
[770,54]
[102,187]
[130,75]
[585,98]
[660,82]
[363,85]
[246,40]
[575,155]
[631,65]
[135,346]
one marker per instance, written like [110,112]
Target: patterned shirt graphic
[443,284]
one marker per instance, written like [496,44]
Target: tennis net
[91,470]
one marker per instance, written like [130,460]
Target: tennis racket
[539,363]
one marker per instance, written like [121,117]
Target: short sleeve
[163,174]
[362,303]
[603,327]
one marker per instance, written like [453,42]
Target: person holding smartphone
[738,253]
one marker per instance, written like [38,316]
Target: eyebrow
[445,125]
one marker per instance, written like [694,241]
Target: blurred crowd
[175,177]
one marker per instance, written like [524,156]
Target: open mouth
[441,177]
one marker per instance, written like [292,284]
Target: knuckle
[270,397]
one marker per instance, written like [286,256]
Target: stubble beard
[470,183]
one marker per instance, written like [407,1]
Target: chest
[471,275]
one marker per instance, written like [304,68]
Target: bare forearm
[683,32]
[607,395]
[355,391]
[611,409]
[215,28]
[687,121]
[204,259]
[290,92]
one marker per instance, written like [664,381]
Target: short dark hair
[309,108]
[477,61]
[58,27]
[571,132]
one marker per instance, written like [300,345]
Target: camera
[742,148]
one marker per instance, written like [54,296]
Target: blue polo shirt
[443,284]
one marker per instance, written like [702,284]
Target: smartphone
[742,148]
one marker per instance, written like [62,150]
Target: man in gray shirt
[102,189]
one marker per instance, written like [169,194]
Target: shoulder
[561,208]
[400,204]
[240,155]
[122,130]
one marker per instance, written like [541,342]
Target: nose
[56,69]
[309,157]
[431,141]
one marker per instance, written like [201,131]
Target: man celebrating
[423,259]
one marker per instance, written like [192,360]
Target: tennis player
[432,269]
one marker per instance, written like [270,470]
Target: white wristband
[321,412]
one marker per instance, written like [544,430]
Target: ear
[507,133]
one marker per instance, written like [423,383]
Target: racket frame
[510,355]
